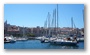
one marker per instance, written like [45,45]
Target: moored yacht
[80,39]
[64,41]
[9,39]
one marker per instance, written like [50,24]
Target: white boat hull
[63,42]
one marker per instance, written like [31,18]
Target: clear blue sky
[32,15]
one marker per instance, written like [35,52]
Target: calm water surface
[36,44]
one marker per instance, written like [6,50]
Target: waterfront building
[38,31]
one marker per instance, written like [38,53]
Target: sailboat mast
[45,26]
[55,21]
[23,31]
[52,23]
[83,16]
[49,22]
[57,18]
[72,24]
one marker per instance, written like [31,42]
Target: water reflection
[57,46]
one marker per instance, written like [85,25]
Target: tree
[30,35]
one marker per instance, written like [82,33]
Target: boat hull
[63,42]
[10,41]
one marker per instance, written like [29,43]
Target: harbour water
[36,44]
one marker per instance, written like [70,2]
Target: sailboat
[45,39]
[81,39]
[63,41]
[9,39]
[23,38]
[49,37]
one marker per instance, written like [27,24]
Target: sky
[33,15]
